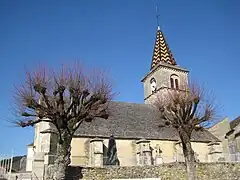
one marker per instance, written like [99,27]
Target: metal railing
[6,162]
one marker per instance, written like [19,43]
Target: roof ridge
[132,103]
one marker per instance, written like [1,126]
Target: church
[140,138]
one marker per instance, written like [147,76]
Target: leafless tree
[187,111]
[64,99]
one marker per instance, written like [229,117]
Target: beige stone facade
[229,134]
[91,152]
[220,130]
[170,151]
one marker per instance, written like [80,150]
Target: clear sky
[119,35]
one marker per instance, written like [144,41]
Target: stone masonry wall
[176,171]
[22,176]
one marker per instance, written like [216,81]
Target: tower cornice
[164,65]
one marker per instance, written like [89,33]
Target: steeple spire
[162,52]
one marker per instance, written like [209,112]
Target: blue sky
[118,35]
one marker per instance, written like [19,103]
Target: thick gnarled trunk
[190,161]
[62,159]
[188,155]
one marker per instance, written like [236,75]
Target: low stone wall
[176,171]
[22,176]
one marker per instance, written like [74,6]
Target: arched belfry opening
[164,72]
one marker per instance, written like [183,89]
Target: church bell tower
[164,73]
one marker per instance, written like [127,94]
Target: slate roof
[135,121]
[31,144]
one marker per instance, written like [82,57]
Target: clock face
[153,85]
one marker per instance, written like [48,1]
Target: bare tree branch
[32,122]
[66,98]
[186,111]
[185,108]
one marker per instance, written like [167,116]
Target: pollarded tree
[65,100]
[186,111]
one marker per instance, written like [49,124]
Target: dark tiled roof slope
[31,144]
[235,122]
[131,120]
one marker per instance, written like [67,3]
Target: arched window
[174,82]
[153,85]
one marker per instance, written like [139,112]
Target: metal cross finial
[157,16]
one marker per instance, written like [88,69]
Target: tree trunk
[62,158]
[189,156]
[190,161]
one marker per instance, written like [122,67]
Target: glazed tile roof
[162,52]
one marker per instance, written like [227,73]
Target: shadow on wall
[105,150]
[112,157]
[74,173]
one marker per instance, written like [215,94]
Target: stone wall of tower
[44,147]
[162,75]
[42,141]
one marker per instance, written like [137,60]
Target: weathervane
[157,16]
